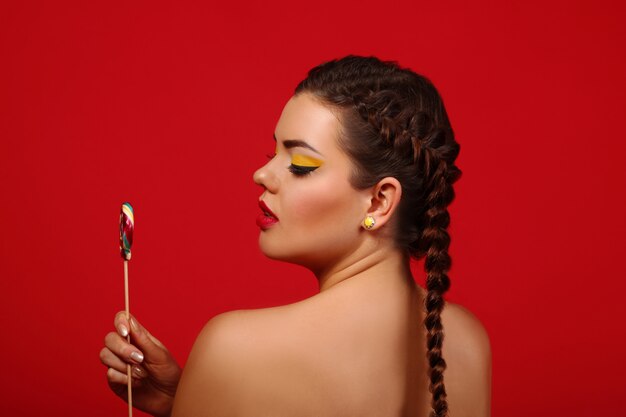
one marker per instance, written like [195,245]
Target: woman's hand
[155,373]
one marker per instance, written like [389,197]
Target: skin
[358,347]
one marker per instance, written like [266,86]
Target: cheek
[322,206]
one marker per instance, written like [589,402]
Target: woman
[360,182]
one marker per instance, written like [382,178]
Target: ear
[385,198]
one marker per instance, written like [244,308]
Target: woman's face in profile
[306,186]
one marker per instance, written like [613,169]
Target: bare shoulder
[467,332]
[467,352]
[230,332]
[229,354]
[206,373]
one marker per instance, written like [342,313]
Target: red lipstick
[267,218]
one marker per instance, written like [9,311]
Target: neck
[382,267]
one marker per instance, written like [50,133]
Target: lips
[267,218]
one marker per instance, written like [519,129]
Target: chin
[277,254]
[281,251]
[269,249]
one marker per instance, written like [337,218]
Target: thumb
[153,350]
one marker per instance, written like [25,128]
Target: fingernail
[123,330]
[138,371]
[134,325]
[136,356]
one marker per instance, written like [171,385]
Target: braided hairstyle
[394,124]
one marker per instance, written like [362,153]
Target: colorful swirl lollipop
[127,226]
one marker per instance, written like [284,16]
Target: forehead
[305,118]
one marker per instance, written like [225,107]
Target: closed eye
[300,171]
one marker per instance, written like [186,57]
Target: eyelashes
[295,169]
[301,171]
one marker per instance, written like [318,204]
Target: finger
[117,377]
[121,324]
[110,360]
[154,350]
[120,347]
[121,390]
[118,381]
[137,372]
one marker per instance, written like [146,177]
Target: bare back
[322,357]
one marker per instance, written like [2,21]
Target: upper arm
[467,351]
[208,383]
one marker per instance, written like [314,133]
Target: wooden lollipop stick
[128,367]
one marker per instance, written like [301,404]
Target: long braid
[394,124]
[437,263]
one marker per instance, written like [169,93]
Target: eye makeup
[303,165]
[305,161]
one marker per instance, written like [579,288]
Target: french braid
[393,123]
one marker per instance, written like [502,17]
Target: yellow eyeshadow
[305,161]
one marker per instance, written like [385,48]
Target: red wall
[173,107]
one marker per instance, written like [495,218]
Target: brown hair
[394,124]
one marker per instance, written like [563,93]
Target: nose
[266,178]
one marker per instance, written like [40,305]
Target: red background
[172,107]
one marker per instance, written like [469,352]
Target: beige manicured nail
[134,325]
[123,330]
[136,356]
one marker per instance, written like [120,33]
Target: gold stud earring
[369,222]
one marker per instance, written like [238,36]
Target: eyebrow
[295,143]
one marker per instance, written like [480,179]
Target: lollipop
[127,227]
